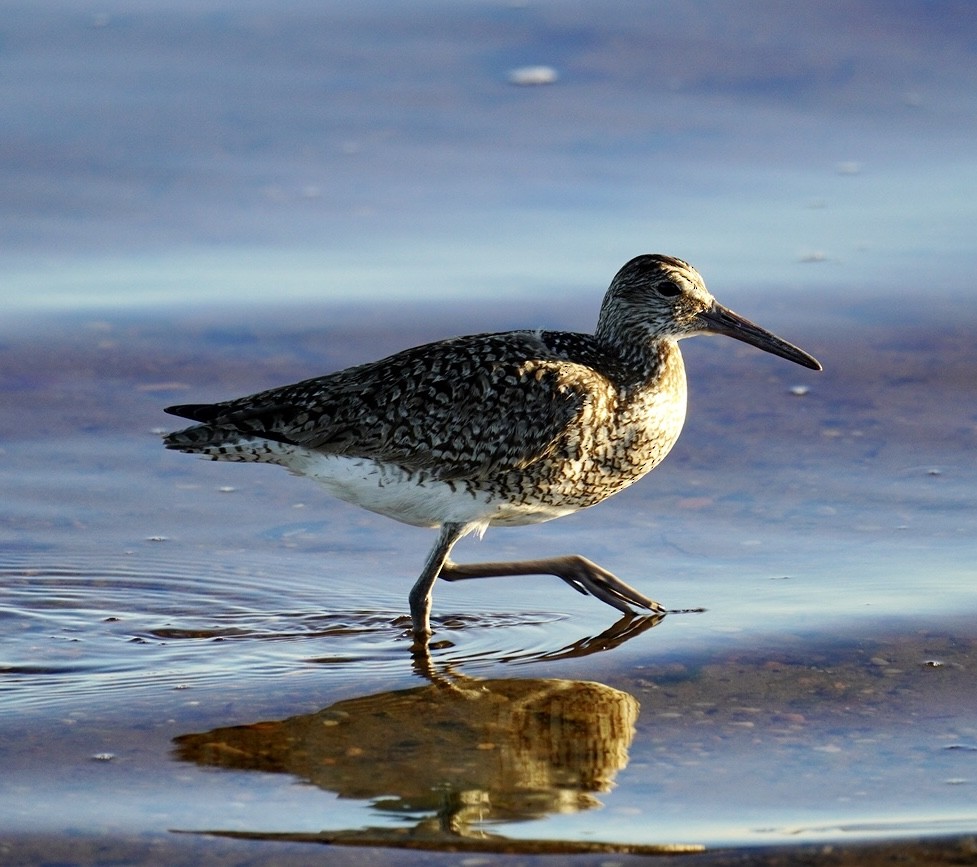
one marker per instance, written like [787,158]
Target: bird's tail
[223,444]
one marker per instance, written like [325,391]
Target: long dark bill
[721,320]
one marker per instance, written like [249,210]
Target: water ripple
[86,629]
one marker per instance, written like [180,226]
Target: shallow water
[154,605]
[204,199]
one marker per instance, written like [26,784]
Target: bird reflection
[458,753]
[627,627]
[454,756]
[484,748]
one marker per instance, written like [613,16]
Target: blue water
[205,199]
[184,152]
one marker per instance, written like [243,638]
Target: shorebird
[496,429]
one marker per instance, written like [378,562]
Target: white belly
[410,498]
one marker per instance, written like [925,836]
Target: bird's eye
[667,289]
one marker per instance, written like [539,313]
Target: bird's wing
[468,407]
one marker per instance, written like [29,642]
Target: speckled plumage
[523,416]
[507,428]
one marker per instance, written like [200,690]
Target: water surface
[209,662]
[154,605]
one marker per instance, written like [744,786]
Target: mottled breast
[628,420]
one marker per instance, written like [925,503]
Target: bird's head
[656,297]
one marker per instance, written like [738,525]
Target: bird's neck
[645,359]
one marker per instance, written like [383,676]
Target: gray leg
[580,573]
[420,593]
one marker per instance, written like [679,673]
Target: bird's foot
[588,578]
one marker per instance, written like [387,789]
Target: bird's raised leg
[420,593]
[581,574]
